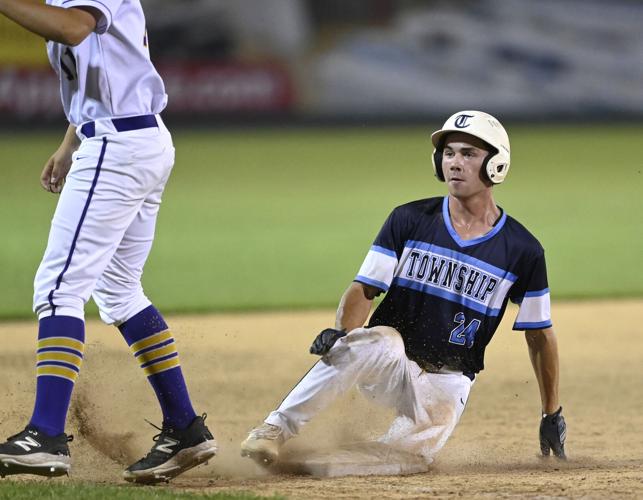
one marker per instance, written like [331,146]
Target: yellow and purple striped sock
[154,348]
[61,342]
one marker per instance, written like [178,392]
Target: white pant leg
[110,178]
[443,397]
[118,293]
[429,405]
[371,357]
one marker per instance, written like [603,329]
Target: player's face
[462,160]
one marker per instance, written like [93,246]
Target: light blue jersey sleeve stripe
[383,250]
[533,325]
[537,293]
[372,282]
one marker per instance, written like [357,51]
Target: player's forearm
[353,309]
[66,26]
[543,351]
[70,142]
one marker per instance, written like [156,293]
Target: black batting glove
[325,340]
[552,434]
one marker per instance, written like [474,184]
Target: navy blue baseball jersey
[445,295]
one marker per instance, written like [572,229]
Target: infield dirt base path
[239,367]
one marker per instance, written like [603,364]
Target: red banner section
[29,94]
[194,89]
[211,88]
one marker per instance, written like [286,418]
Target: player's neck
[474,216]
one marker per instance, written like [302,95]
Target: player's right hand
[325,340]
[553,431]
[55,171]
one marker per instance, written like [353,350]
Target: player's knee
[383,338]
[115,308]
[392,341]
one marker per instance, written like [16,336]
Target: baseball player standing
[114,162]
[448,267]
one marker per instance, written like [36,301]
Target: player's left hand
[55,171]
[553,431]
[325,340]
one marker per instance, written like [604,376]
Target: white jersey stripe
[445,294]
[535,312]
[461,257]
[378,268]
[487,294]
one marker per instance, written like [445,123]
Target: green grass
[283,218]
[29,490]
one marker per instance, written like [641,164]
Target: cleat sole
[9,467]
[177,465]
[261,458]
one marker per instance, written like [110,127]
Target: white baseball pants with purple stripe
[103,228]
[429,405]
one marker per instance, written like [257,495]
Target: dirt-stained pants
[429,405]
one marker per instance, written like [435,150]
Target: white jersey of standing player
[109,74]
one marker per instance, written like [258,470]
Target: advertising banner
[30,94]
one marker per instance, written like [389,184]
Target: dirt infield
[240,366]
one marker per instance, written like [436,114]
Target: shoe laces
[166,429]
[266,431]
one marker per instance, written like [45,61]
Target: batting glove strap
[553,431]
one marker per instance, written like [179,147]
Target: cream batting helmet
[484,127]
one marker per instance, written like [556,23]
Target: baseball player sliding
[114,162]
[448,267]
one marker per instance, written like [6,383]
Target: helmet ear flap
[487,172]
[496,167]
[437,164]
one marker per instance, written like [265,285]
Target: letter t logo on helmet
[483,126]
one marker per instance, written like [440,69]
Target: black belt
[122,124]
[436,367]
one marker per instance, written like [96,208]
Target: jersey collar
[456,237]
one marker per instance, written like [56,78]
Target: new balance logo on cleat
[27,444]
[166,446]
[171,456]
[32,452]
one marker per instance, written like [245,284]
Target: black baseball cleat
[33,452]
[174,452]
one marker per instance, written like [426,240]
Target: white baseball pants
[429,405]
[103,227]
